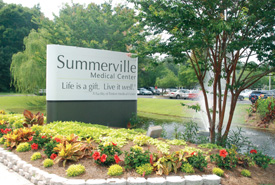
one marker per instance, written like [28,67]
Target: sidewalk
[9,177]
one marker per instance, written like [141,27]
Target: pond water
[264,140]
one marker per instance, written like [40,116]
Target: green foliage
[187,168]
[115,170]
[176,142]
[35,156]
[2,140]
[260,159]
[16,23]
[198,161]
[145,169]
[39,139]
[136,157]
[23,147]
[246,173]
[190,133]
[227,162]
[162,146]
[49,148]
[47,163]
[75,170]
[218,171]
[110,150]
[141,140]
[168,80]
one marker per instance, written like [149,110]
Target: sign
[75,73]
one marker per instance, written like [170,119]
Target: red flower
[53,156]
[193,153]
[34,146]
[114,144]
[96,155]
[223,153]
[103,158]
[151,159]
[57,139]
[30,139]
[43,137]
[116,158]
[253,151]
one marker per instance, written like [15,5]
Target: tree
[187,77]
[95,26]
[217,36]
[28,68]
[169,79]
[16,23]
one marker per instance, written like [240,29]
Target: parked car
[245,93]
[143,91]
[154,91]
[177,93]
[193,94]
[255,95]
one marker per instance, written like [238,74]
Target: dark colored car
[154,91]
[254,96]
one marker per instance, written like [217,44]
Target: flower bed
[96,148]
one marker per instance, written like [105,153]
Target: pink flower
[116,158]
[151,159]
[253,151]
[103,158]
[34,146]
[53,156]
[57,139]
[96,155]
[30,139]
[223,153]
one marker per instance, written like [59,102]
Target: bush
[225,159]
[246,173]
[260,159]
[198,161]
[23,147]
[136,157]
[115,170]
[145,169]
[49,148]
[141,140]
[218,171]
[75,170]
[35,156]
[187,168]
[108,154]
[47,163]
[2,140]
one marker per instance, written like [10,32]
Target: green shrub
[23,147]
[218,171]
[2,140]
[35,156]
[141,140]
[136,157]
[18,124]
[107,154]
[145,169]
[75,170]
[115,170]
[260,159]
[225,159]
[246,173]
[198,161]
[48,148]
[187,168]
[47,163]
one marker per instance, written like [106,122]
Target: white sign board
[75,73]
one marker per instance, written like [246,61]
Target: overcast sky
[48,7]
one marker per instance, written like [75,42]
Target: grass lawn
[157,109]
[17,104]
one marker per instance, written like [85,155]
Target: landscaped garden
[88,151]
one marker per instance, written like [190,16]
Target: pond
[264,140]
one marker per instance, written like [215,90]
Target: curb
[40,177]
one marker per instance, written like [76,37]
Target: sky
[48,7]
